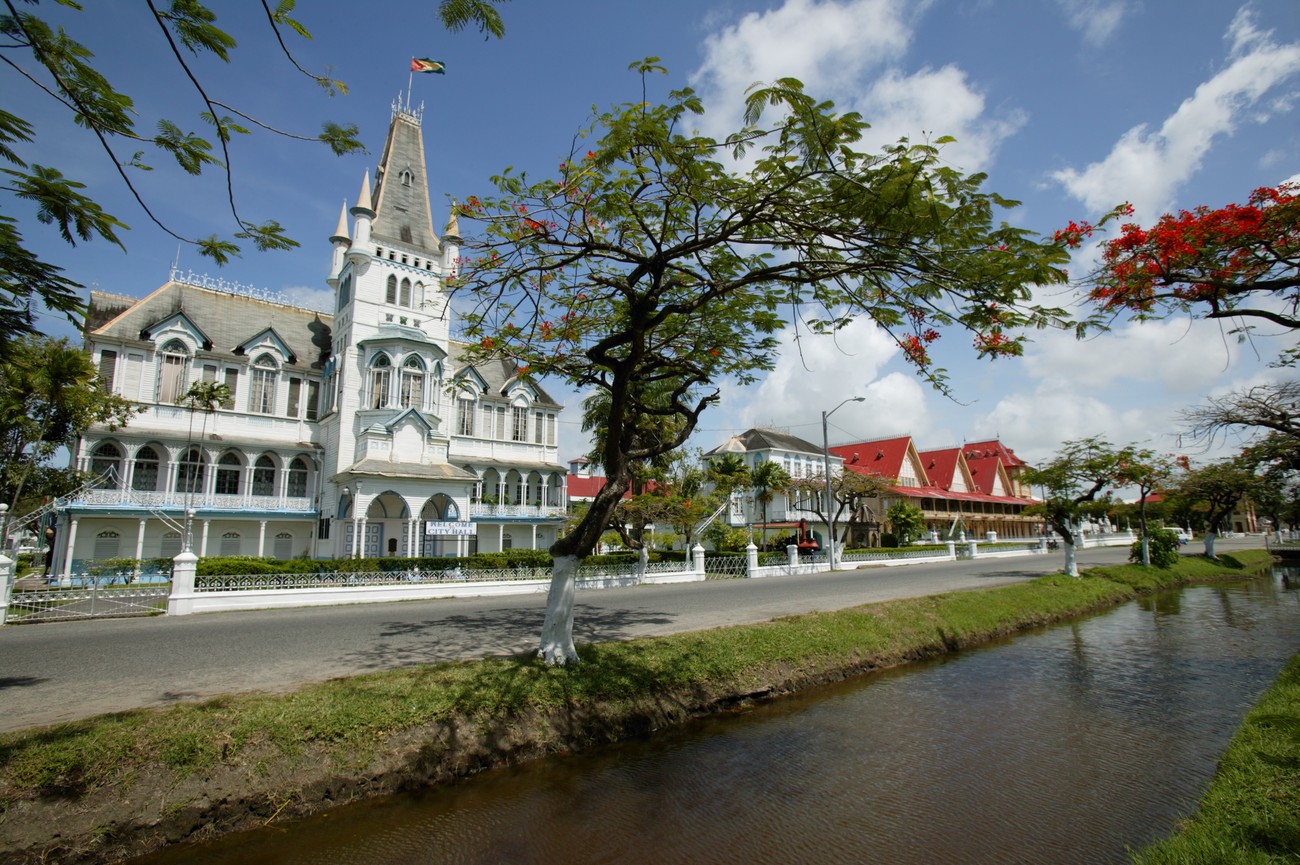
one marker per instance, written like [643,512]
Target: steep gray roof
[228,320]
[401,194]
[765,439]
[499,375]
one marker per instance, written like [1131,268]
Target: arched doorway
[387,526]
[439,508]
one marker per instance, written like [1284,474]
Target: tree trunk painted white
[557,630]
[1146,551]
[1071,559]
[1209,543]
[642,563]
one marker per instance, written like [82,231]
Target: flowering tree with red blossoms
[1240,261]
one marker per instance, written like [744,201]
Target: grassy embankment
[236,761]
[1251,813]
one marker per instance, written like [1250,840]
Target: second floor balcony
[168,501]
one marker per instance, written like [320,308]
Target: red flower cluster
[1198,255]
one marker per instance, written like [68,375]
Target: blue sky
[1070,107]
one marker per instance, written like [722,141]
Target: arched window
[406,177]
[391,294]
[189,472]
[229,469]
[298,478]
[283,546]
[144,476]
[106,545]
[106,460]
[173,363]
[261,385]
[170,547]
[264,476]
[417,295]
[405,299]
[230,544]
[345,291]
[412,389]
[381,379]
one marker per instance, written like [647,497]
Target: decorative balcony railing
[198,501]
[480,509]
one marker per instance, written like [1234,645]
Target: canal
[1068,745]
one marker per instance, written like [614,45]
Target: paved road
[65,671]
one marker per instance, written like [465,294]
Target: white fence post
[181,600]
[6,586]
[952,549]
[751,560]
[697,557]
[972,548]
[792,552]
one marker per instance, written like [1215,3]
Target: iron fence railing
[724,567]
[93,599]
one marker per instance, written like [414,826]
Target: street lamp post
[826,472]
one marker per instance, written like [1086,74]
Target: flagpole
[410,79]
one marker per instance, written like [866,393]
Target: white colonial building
[356,433]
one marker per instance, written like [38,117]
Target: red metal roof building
[967,489]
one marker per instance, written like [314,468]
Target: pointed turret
[364,216]
[451,243]
[341,242]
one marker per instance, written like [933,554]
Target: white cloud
[852,53]
[310,298]
[1169,357]
[1036,423]
[935,102]
[827,45]
[817,373]
[1147,168]
[1095,19]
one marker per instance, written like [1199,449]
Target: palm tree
[767,479]
[205,396]
[728,472]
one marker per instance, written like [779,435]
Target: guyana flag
[424,64]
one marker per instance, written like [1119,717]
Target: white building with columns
[356,432]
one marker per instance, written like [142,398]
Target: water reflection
[1066,746]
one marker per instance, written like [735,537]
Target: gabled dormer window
[261,385]
[173,364]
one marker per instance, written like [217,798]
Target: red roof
[941,466]
[994,447]
[882,457]
[983,466]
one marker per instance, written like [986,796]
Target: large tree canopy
[43,53]
[659,263]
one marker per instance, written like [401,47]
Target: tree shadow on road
[492,633]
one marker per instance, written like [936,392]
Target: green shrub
[1162,548]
